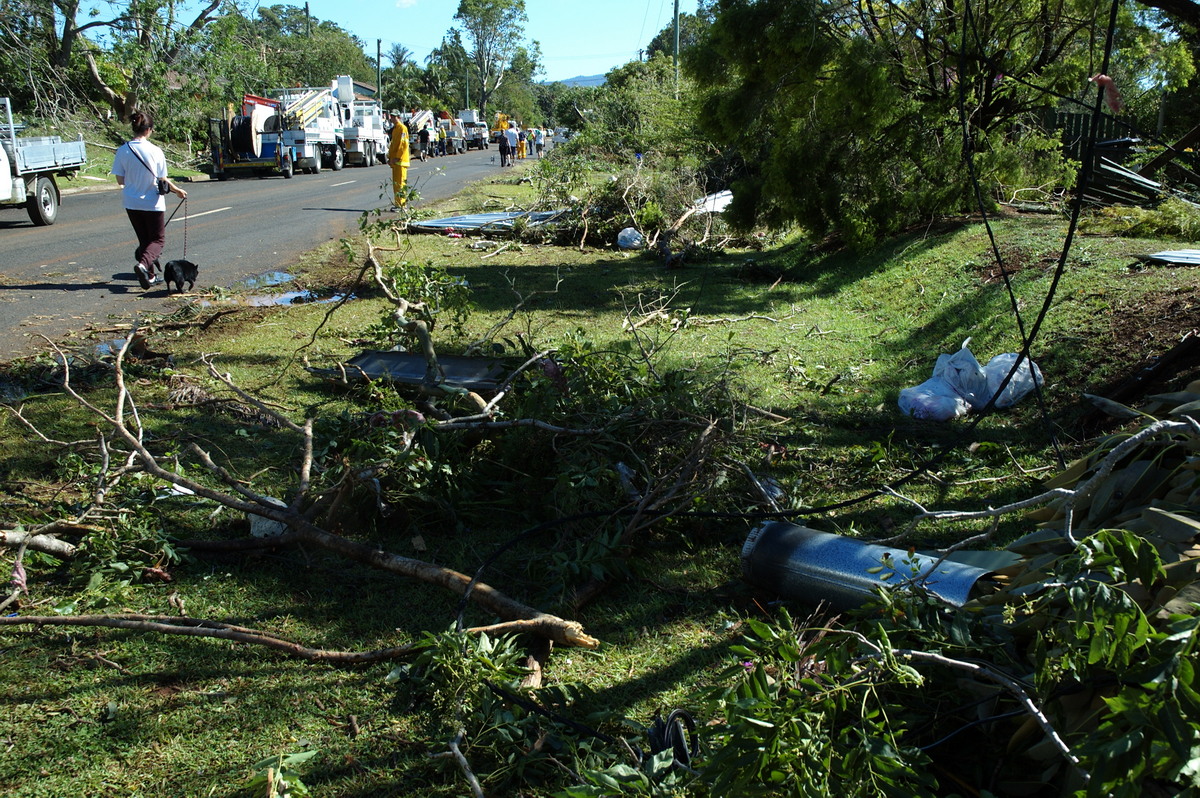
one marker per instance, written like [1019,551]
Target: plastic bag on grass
[630,238]
[964,374]
[933,400]
[1027,376]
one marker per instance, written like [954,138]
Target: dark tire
[338,159]
[222,176]
[287,169]
[315,169]
[43,205]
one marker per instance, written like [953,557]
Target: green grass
[824,339]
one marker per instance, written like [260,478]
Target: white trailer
[28,167]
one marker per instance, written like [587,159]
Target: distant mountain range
[582,80]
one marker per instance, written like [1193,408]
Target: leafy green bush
[1173,218]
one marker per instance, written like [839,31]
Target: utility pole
[379,69]
[676,59]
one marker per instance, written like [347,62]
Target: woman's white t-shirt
[141,183]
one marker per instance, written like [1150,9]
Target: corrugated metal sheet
[479,374]
[1180,257]
[485,221]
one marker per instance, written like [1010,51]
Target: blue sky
[577,37]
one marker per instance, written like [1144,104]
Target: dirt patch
[1015,259]
[1150,347]
[1144,332]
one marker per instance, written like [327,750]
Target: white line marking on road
[348,182]
[205,213]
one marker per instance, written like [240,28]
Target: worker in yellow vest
[398,158]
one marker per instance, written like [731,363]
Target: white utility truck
[476,130]
[289,130]
[28,167]
[364,137]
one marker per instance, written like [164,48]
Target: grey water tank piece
[802,563]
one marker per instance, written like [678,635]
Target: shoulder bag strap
[129,144]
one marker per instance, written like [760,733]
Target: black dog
[180,272]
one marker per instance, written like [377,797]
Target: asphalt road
[78,272]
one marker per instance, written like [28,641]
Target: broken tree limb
[559,630]
[18,577]
[1011,685]
[38,541]
[240,497]
[199,627]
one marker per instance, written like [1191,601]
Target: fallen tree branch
[199,627]
[1070,497]
[18,577]
[243,499]
[1007,682]
[461,759]
[38,541]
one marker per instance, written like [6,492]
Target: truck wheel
[338,159]
[315,169]
[369,155]
[287,169]
[43,205]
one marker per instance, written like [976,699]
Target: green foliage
[451,670]
[279,776]
[850,122]
[801,717]
[1173,218]
[436,297]
[641,108]
[691,31]
[643,197]
[1151,716]
[657,777]
[494,31]
[813,710]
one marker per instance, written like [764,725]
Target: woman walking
[141,171]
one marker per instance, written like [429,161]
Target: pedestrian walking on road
[505,152]
[423,142]
[141,171]
[510,136]
[398,158]
[539,141]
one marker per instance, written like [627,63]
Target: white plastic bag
[1027,376]
[933,400]
[965,375]
[630,238]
